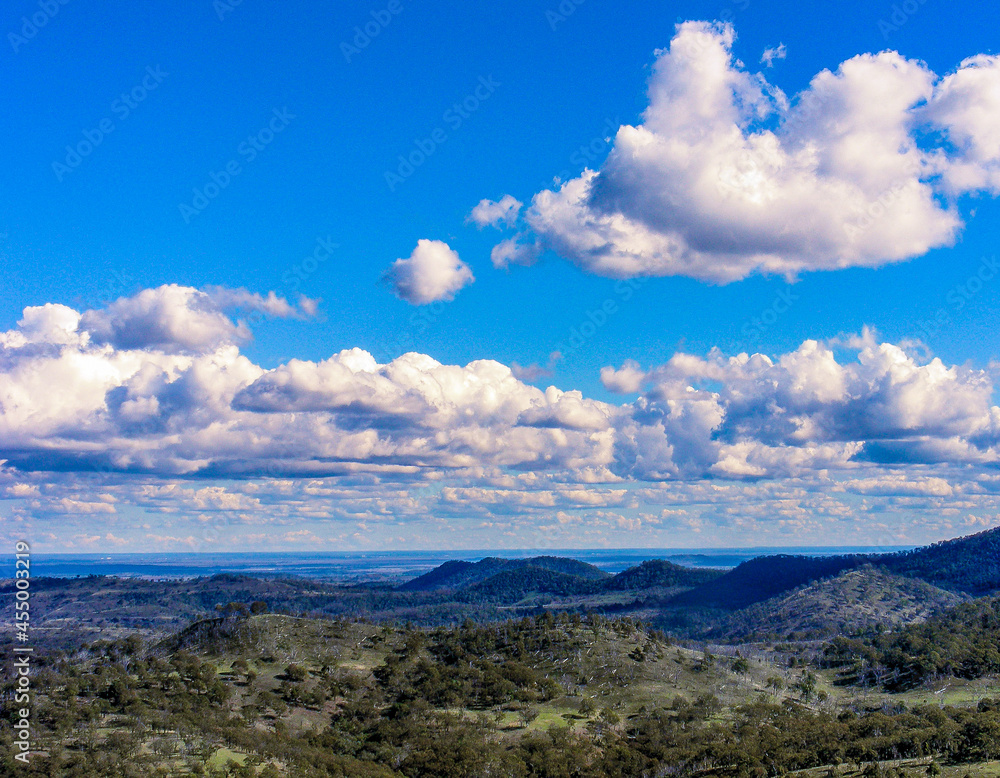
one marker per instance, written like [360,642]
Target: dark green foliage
[511,586]
[432,707]
[854,602]
[970,564]
[763,578]
[456,575]
[506,581]
[963,641]
[452,575]
[233,633]
[659,572]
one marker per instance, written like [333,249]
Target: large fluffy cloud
[159,386]
[751,415]
[354,440]
[726,177]
[432,272]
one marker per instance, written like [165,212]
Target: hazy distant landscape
[397,566]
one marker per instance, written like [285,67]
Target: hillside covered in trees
[530,667]
[268,695]
[963,642]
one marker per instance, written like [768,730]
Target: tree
[527,714]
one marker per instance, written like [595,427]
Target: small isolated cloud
[726,176]
[21,490]
[519,250]
[625,380]
[772,53]
[494,213]
[432,272]
[271,304]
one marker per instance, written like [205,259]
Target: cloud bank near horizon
[172,418]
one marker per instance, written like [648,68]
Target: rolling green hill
[551,696]
[762,578]
[512,586]
[968,565]
[511,580]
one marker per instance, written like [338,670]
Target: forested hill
[862,600]
[511,586]
[460,575]
[507,581]
[963,641]
[970,565]
[762,578]
[659,572]
[452,575]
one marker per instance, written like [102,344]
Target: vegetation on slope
[660,573]
[969,564]
[463,575]
[512,586]
[548,697]
[963,642]
[762,578]
[855,601]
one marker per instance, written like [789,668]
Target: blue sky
[201,81]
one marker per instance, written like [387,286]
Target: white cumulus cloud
[796,439]
[627,379]
[181,318]
[726,177]
[432,272]
[493,213]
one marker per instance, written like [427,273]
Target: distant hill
[569,567]
[461,575]
[451,575]
[848,603]
[511,586]
[660,573]
[762,578]
[970,564]
[508,581]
